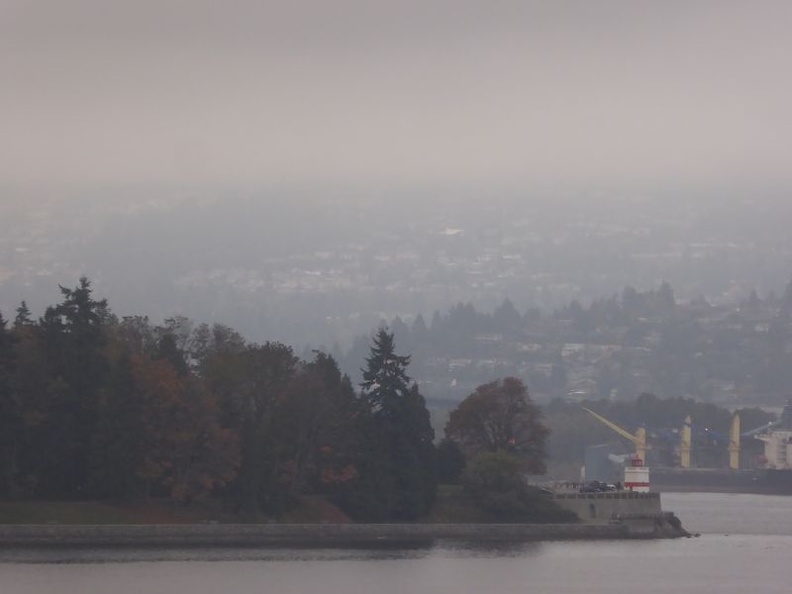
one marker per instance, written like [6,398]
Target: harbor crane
[685,439]
[685,442]
[639,439]
[734,443]
[636,474]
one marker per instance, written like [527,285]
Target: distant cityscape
[322,273]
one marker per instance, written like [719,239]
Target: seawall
[641,512]
[309,535]
[599,508]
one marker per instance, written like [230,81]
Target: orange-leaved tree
[500,417]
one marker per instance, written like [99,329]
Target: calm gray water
[745,546]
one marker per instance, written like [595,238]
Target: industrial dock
[769,474]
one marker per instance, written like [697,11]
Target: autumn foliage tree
[501,417]
[499,429]
[317,428]
[185,452]
[251,382]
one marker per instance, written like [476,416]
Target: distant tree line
[648,343]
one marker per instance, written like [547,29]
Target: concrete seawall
[309,535]
[600,508]
[641,512]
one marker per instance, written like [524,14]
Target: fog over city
[304,170]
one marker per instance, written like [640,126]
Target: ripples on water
[721,513]
[88,555]
[746,545]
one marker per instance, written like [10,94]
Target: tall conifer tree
[10,421]
[400,469]
[75,339]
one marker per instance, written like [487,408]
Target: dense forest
[97,407]
[93,406]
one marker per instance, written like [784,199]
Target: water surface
[746,545]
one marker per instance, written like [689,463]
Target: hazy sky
[396,91]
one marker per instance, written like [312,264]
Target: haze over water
[745,545]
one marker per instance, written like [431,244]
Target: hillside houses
[719,353]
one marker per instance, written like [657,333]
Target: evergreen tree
[665,302]
[10,420]
[23,316]
[399,471]
[450,462]
[419,329]
[507,319]
[32,387]
[168,350]
[385,379]
[74,341]
[119,440]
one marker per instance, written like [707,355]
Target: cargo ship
[772,474]
[762,481]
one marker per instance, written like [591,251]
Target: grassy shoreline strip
[318,535]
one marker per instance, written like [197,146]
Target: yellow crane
[734,443]
[686,439]
[685,443]
[639,439]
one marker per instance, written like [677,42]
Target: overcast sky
[396,92]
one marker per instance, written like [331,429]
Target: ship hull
[767,482]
